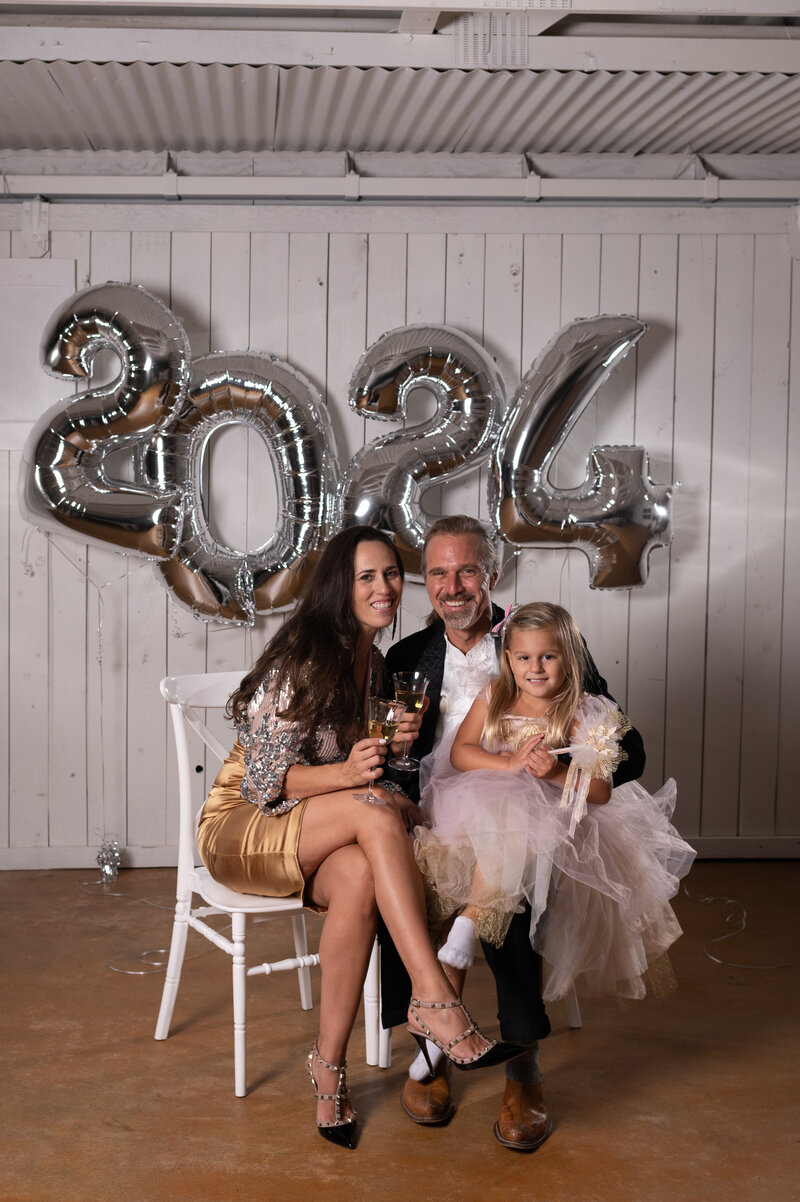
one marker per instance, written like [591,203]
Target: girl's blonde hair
[540,615]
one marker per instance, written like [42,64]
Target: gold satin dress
[249,832]
[244,848]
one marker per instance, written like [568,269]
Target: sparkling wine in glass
[410,688]
[382,721]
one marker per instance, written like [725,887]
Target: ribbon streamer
[576,789]
[737,915]
[100,889]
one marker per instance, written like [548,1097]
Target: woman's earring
[394,626]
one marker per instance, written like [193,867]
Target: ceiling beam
[660,8]
[305,48]
[357,188]
[397,165]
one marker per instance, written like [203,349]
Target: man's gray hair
[459,523]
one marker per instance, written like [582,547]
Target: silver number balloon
[267,396]
[617,515]
[156,423]
[383,484]
[68,480]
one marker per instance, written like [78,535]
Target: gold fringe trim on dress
[491,922]
[660,979]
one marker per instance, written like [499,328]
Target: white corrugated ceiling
[129,97]
[143,106]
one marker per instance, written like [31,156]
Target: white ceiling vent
[490,39]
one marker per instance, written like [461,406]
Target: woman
[282,820]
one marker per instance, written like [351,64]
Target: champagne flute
[410,688]
[382,721]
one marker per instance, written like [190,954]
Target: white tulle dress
[598,878]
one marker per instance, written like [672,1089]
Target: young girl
[517,823]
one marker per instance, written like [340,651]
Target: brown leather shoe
[524,1122]
[429,1101]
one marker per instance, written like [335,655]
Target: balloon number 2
[159,414]
[384,482]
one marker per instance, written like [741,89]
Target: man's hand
[410,811]
[408,728]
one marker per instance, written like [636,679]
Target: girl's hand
[408,728]
[364,763]
[543,764]
[521,758]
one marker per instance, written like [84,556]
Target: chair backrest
[186,695]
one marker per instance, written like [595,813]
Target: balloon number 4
[163,408]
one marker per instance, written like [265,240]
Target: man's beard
[465,617]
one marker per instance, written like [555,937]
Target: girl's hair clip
[499,630]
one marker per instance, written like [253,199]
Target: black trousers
[517,970]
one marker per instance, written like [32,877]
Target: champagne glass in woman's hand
[409,687]
[382,721]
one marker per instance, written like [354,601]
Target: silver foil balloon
[384,482]
[617,515]
[68,482]
[123,463]
[267,396]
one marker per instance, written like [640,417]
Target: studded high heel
[340,1131]
[493,1053]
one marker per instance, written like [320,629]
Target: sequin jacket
[272,744]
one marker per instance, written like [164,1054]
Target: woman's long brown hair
[314,651]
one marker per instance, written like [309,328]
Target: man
[459,655]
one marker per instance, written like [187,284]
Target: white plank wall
[704,657]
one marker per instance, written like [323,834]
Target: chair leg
[372,1011]
[177,950]
[301,949]
[239,1005]
[384,1046]
[573,1009]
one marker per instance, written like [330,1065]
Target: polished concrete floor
[694,1097]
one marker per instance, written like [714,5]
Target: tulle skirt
[600,913]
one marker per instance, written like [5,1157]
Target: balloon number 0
[159,414]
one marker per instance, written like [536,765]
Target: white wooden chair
[186,695]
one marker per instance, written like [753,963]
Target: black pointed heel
[340,1131]
[493,1053]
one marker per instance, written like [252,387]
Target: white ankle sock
[459,950]
[419,1066]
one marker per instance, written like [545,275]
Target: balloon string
[91,887]
[83,572]
[27,566]
[566,564]
[737,918]
[102,701]
[175,632]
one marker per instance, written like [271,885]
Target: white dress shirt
[464,677]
